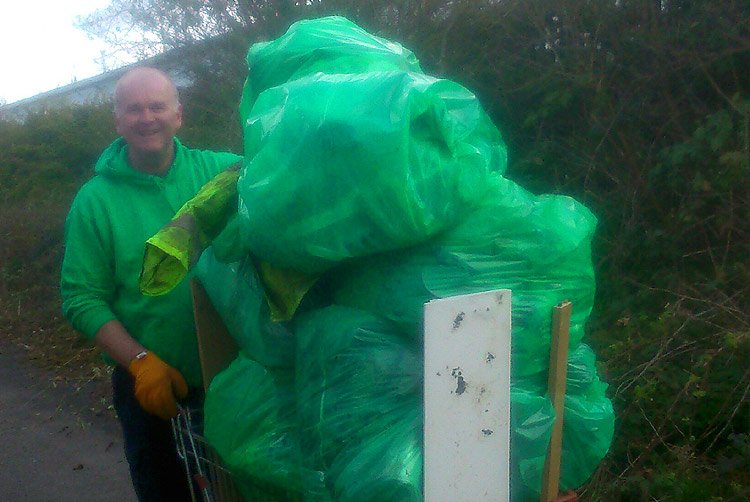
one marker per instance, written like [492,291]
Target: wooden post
[215,347]
[558,370]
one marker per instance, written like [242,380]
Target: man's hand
[157,385]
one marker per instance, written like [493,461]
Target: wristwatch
[140,355]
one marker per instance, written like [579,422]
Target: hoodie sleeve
[86,279]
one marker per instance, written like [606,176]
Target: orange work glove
[157,385]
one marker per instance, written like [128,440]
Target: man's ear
[179,115]
[116,118]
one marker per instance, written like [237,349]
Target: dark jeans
[158,474]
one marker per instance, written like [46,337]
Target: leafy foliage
[42,162]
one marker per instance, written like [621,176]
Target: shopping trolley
[208,480]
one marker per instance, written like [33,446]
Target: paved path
[53,447]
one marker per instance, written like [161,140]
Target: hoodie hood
[114,161]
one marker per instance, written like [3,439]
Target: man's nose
[146,115]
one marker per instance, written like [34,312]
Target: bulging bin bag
[377,162]
[588,426]
[589,422]
[385,187]
[386,465]
[331,45]
[537,246]
[341,165]
[238,296]
[250,421]
[531,420]
[358,385]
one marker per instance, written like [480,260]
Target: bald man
[140,181]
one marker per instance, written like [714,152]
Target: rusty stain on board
[480,394]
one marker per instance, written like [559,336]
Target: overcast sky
[40,49]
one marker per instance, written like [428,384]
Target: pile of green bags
[353,151]
[386,186]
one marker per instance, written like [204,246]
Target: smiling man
[147,115]
[141,180]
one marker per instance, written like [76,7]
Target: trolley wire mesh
[208,480]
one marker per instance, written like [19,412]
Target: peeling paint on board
[458,320]
[499,298]
[460,382]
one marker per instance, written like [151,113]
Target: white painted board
[467,398]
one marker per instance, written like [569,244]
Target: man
[141,180]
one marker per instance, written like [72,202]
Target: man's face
[148,114]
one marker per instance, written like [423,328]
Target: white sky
[40,49]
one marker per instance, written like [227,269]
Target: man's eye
[158,108]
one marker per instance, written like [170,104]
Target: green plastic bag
[537,246]
[250,421]
[387,465]
[355,373]
[389,183]
[355,415]
[176,248]
[588,426]
[531,420]
[238,296]
[341,165]
[589,421]
[331,45]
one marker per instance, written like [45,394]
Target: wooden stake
[558,369]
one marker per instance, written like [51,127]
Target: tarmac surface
[54,446]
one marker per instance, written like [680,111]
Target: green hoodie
[109,222]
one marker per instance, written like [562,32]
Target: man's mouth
[147,133]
